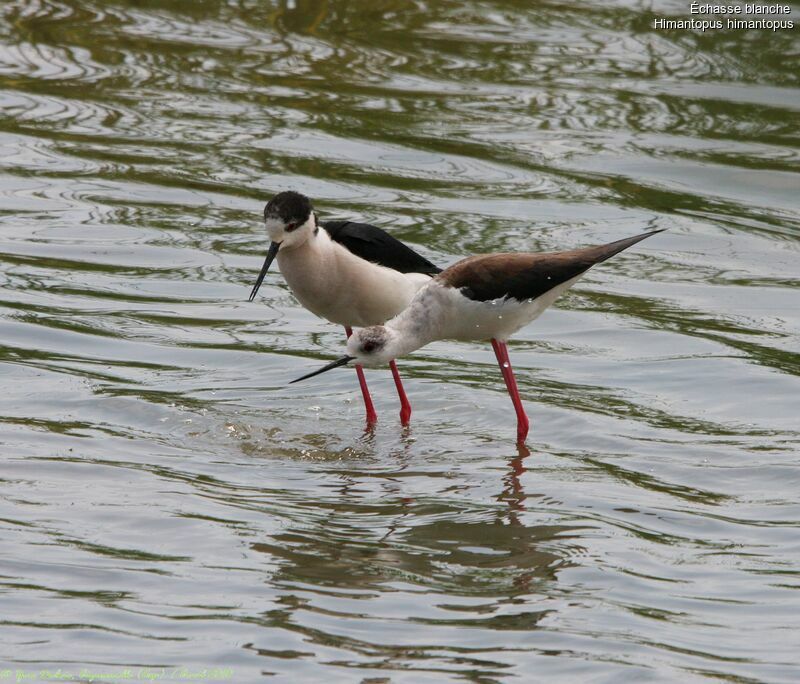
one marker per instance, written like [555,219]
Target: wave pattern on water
[170,502]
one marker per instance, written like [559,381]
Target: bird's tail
[603,252]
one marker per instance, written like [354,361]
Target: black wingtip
[379,247]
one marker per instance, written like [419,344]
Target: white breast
[337,285]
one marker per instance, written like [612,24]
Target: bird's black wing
[527,276]
[376,245]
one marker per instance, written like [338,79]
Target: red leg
[405,405]
[372,417]
[501,352]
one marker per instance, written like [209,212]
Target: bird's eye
[290,227]
[369,346]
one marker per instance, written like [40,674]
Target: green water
[169,502]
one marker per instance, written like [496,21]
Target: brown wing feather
[526,276]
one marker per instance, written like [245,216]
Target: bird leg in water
[501,352]
[405,405]
[372,417]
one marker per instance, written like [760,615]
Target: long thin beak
[333,364]
[273,250]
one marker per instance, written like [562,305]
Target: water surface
[169,502]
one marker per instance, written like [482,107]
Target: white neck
[421,323]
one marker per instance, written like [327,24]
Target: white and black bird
[353,274]
[485,297]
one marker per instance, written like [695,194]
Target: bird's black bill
[333,364]
[273,250]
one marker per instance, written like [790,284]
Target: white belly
[443,313]
[498,318]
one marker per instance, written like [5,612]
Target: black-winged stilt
[486,297]
[353,274]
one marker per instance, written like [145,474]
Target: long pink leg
[501,352]
[405,404]
[372,417]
